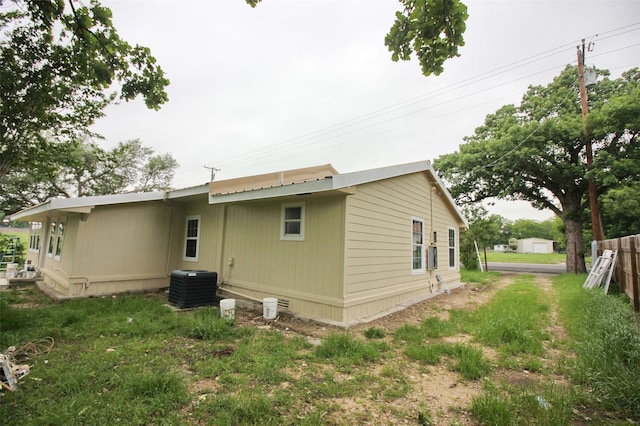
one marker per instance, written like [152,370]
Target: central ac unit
[190,288]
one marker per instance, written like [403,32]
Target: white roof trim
[86,204]
[186,192]
[337,182]
[330,183]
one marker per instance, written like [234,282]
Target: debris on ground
[12,361]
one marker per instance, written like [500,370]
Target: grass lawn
[540,258]
[131,360]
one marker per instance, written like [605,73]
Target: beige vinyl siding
[112,249]
[209,250]
[118,240]
[378,257]
[378,243]
[305,272]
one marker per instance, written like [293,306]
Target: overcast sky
[299,83]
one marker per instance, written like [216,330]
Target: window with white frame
[192,238]
[34,236]
[60,238]
[52,238]
[417,246]
[452,248]
[292,222]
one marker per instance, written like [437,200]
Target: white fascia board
[103,200]
[275,192]
[31,211]
[187,192]
[449,197]
[365,176]
[85,204]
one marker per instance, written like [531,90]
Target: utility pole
[596,224]
[213,172]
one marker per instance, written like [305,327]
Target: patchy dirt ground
[435,389]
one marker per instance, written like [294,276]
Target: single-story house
[332,247]
[535,245]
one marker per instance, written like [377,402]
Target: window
[192,238]
[452,248]
[52,238]
[292,222]
[60,239]
[417,246]
[34,236]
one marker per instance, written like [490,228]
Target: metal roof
[292,182]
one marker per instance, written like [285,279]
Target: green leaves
[432,29]
[59,60]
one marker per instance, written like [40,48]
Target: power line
[384,115]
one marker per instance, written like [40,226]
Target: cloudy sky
[306,82]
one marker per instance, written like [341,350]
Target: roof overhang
[345,183]
[81,205]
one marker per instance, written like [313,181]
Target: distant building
[501,248]
[535,245]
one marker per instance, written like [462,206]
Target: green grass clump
[346,349]
[513,321]
[245,408]
[467,360]
[607,344]
[477,277]
[208,325]
[509,405]
[374,333]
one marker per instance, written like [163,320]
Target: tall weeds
[606,336]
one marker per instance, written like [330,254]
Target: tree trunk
[575,245]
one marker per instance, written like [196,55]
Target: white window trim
[62,225]
[35,236]
[455,249]
[422,270]
[51,238]
[186,238]
[292,237]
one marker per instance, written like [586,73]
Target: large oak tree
[536,151]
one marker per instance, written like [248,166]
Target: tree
[535,152]
[621,211]
[59,65]
[78,168]
[528,228]
[432,29]
[481,232]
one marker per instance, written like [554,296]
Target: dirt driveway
[440,391]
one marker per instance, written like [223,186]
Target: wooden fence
[627,271]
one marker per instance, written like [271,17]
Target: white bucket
[228,308]
[12,270]
[269,307]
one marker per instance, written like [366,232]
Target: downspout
[170,243]
[221,245]
[433,189]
